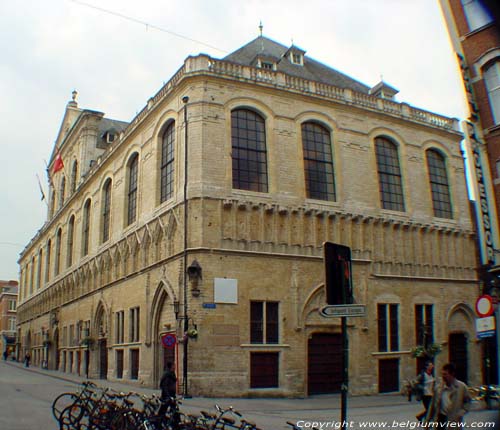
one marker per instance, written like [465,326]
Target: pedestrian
[168,386]
[5,355]
[451,398]
[426,385]
[27,359]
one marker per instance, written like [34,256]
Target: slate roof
[311,69]
[108,124]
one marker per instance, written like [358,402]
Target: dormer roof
[263,47]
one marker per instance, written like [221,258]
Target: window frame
[264,322]
[86,227]
[439,184]
[62,191]
[70,241]
[133,176]
[167,162]
[249,151]
[424,317]
[74,174]
[312,150]
[388,327]
[106,211]
[390,178]
[491,73]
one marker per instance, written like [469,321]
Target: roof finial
[74,94]
[260,28]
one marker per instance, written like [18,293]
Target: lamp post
[185,100]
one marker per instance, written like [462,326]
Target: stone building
[8,310]
[283,154]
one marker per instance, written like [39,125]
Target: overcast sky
[50,47]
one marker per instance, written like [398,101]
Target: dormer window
[110,137]
[296,58]
[267,65]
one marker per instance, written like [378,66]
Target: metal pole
[345,373]
[185,100]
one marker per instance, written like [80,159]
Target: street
[27,395]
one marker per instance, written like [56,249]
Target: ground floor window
[119,363]
[134,364]
[264,370]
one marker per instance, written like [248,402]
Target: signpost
[169,340]
[336,311]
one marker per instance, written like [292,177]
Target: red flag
[58,163]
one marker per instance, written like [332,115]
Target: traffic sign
[336,311]
[169,340]
[485,327]
[484,306]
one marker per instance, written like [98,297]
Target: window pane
[272,325]
[440,191]
[390,184]
[382,327]
[318,164]
[394,327]
[167,163]
[132,190]
[492,81]
[249,152]
[256,322]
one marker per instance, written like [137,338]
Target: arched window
[47,261]
[476,13]
[39,269]
[53,202]
[106,210]
[440,189]
[71,231]
[57,263]
[167,163]
[132,189]
[318,163]
[86,228]
[32,274]
[389,175]
[74,176]
[248,141]
[62,192]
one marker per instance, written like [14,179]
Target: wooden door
[134,364]
[388,375]
[119,363]
[457,349]
[103,359]
[324,363]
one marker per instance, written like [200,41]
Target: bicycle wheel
[61,402]
[74,417]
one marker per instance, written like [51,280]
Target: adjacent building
[194,234]
[8,310]
[474,30]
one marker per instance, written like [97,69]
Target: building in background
[194,234]
[8,311]
[475,34]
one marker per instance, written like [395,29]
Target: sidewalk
[272,413]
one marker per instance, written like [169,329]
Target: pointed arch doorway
[101,328]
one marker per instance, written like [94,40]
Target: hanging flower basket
[47,343]
[430,352]
[192,333]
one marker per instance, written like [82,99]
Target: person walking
[168,386]
[27,359]
[426,383]
[451,398]
[5,355]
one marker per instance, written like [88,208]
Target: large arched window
[71,231]
[86,228]
[47,261]
[32,274]
[248,141]
[389,175]
[57,262]
[52,202]
[106,210]
[74,176]
[167,163]
[440,189]
[62,192]
[133,166]
[318,163]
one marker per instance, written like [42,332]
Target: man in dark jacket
[168,386]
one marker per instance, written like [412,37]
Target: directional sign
[336,311]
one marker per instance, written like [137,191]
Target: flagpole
[41,190]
